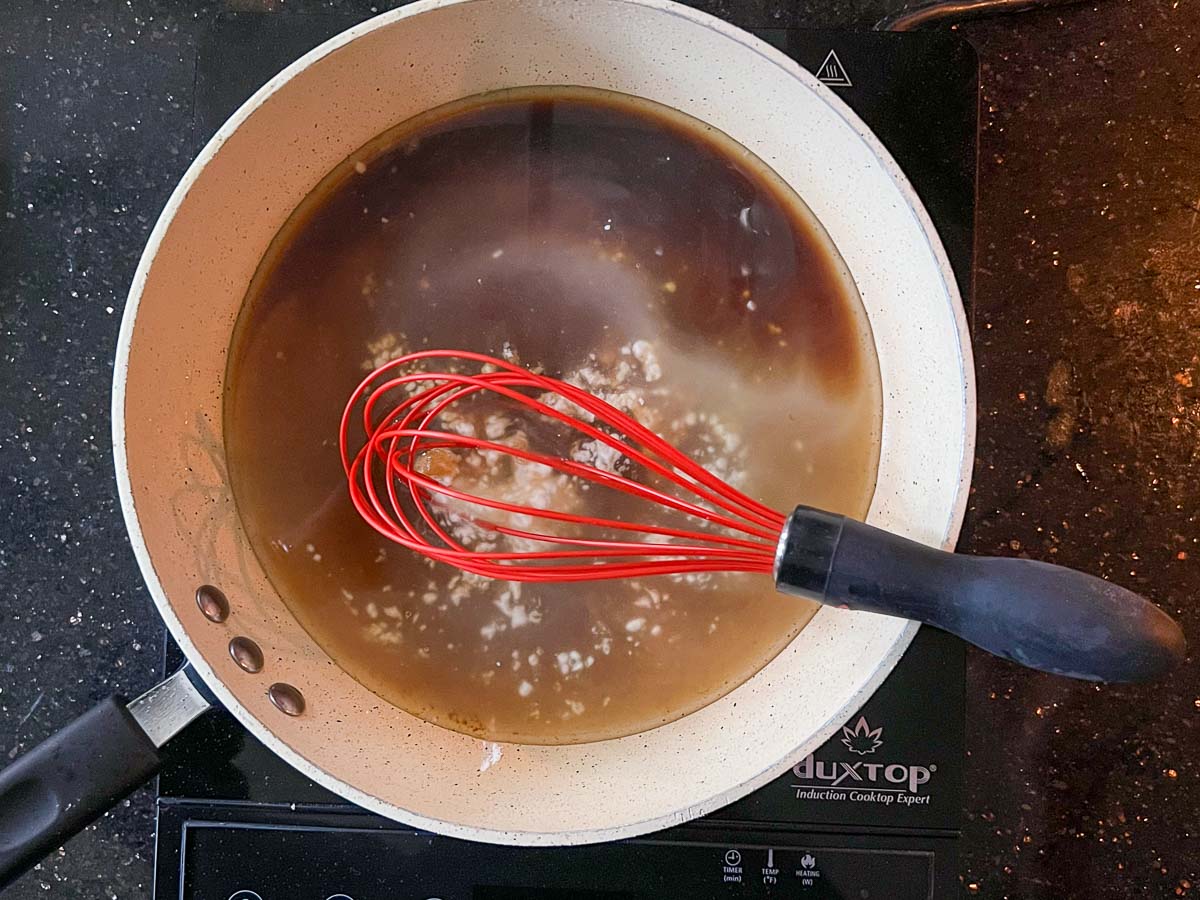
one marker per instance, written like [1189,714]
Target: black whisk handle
[1043,616]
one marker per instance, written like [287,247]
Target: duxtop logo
[862,740]
[862,781]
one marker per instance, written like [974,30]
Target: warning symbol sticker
[832,72]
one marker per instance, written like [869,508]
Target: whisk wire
[407,432]
[683,471]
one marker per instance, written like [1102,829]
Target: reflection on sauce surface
[610,241]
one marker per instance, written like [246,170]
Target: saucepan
[189,541]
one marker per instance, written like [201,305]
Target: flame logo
[861,739]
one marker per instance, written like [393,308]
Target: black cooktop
[872,815]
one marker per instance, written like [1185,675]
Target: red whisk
[400,412]
[1039,615]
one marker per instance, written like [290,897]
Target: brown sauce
[608,240]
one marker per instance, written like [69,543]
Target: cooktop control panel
[242,861]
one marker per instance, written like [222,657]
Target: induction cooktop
[873,814]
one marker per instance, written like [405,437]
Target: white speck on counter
[634,625]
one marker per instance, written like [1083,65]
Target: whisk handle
[1043,616]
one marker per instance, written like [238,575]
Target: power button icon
[245,895]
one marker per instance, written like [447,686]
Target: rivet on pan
[212,603]
[286,698]
[246,654]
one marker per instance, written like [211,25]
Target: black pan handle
[75,776]
[1039,615]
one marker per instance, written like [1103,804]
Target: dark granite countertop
[1088,335]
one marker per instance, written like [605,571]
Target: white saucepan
[185,529]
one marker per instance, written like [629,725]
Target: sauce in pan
[608,240]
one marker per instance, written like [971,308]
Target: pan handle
[78,774]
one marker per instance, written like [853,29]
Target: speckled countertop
[1088,337]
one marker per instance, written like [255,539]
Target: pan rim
[905,633]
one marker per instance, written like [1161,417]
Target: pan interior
[604,239]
